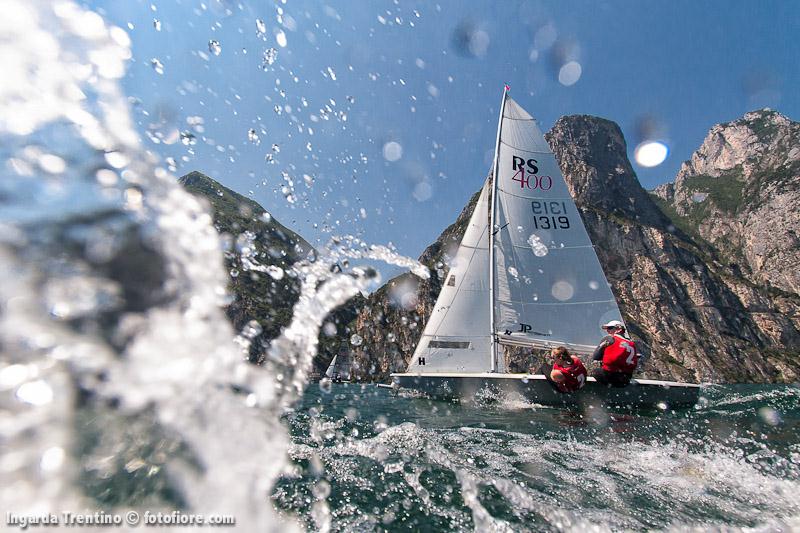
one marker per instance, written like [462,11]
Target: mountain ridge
[685,301]
[701,321]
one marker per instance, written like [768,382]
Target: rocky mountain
[739,192]
[259,253]
[701,318]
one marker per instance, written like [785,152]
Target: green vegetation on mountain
[724,191]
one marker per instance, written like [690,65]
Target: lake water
[122,384]
[366,459]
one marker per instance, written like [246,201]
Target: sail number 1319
[549,215]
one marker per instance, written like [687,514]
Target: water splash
[112,335]
[326,283]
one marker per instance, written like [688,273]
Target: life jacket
[574,375]
[620,356]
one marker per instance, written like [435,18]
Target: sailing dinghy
[339,369]
[533,281]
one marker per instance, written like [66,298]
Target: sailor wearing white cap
[617,354]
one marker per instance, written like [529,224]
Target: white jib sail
[550,287]
[457,337]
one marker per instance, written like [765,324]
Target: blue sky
[388,109]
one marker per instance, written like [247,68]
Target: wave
[497,480]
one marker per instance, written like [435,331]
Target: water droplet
[275,148]
[275,272]
[157,24]
[252,136]
[35,392]
[280,38]
[269,57]
[392,151]
[188,138]
[332,74]
[321,490]
[107,177]
[157,65]
[562,290]
[594,285]
[234,273]
[214,47]
[325,385]
[351,99]
[651,153]
[117,159]
[470,41]
[252,329]
[423,191]
[52,163]
[513,273]
[356,340]
[261,28]
[770,416]
[569,73]
[538,247]
[52,459]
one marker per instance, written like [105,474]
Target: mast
[491,232]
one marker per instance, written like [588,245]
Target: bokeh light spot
[651,153]
[562,290]
[392,151]
[569,73]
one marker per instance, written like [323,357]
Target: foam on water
[121,384]
[536,469]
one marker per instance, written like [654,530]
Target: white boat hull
[641,393]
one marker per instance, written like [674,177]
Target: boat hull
[641,393]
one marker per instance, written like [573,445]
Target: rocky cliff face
[700,319]
[740,191]
[259,254]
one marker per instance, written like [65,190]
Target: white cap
[613,324]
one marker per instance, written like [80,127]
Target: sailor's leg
[601,376]
[619,379]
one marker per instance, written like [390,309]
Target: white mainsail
[542,277]
[551,289]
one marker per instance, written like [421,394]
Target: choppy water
[122,385]
[404,463]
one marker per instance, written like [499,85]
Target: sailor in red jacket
[568,374]
[618,355]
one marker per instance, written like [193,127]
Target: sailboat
[525,275]
[339,369]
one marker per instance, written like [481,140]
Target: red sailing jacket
[620,356]
[575,375]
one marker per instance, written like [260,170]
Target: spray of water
[119,377]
